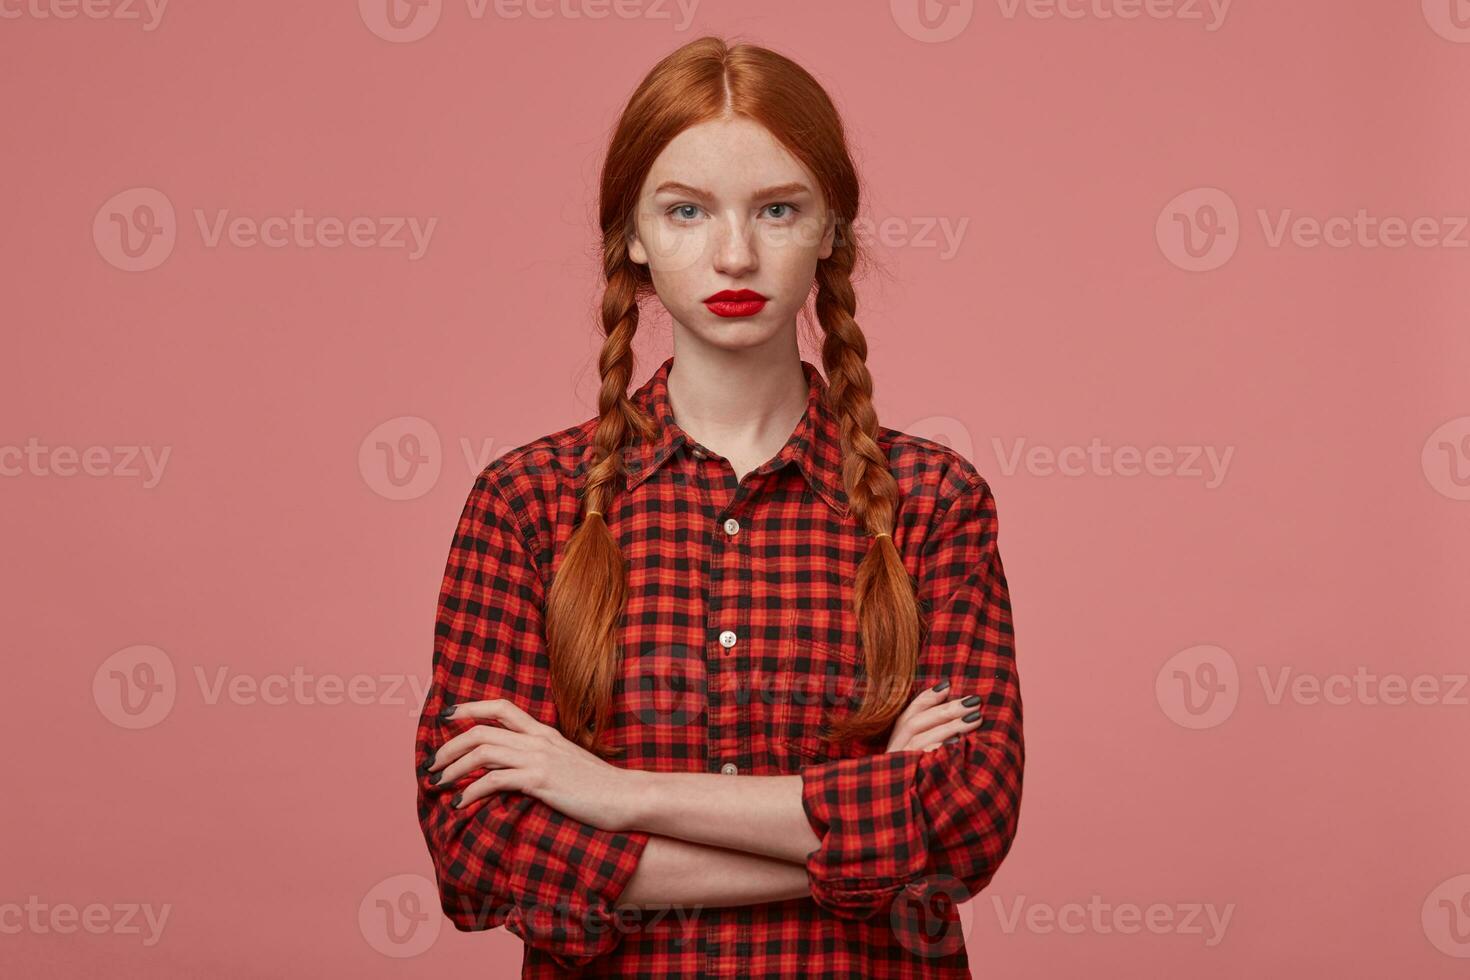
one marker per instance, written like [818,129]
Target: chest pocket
[819,679]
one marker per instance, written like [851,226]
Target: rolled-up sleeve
[509,859]
[900,820]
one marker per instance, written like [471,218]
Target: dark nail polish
[426,765]
[446,711]
[435,777]
[457,798]
[971,701]
[951,740]
[941,685]
[972,716]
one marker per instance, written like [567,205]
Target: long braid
[588,591]
[884,599]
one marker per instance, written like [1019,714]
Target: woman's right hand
[931,718]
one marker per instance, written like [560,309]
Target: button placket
[724,620]
[727,612]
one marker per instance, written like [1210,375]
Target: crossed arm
[851,833]
[753,833]
[677,873]
[704,824]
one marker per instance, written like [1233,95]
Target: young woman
[672,728]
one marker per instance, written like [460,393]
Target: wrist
[640,792]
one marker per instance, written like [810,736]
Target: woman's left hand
[536,759]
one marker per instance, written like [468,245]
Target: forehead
[729,157]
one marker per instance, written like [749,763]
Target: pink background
[1334,835]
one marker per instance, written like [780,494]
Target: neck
[739,404]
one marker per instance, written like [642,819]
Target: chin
[734,334]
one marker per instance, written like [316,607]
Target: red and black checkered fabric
[739,638]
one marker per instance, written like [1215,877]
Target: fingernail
[971,701]
[434,778]
[941,685]
[446,711]
[427,764]
[951,740]
[972,716]
[457,798]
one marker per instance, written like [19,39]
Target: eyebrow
[794,187]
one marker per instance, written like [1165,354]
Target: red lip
[736,303]
[735,295]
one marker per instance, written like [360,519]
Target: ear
[824,251]
[636,251]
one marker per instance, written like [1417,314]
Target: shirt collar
[815,446]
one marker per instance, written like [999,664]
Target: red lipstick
[736,302]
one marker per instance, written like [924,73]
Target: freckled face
[726,207]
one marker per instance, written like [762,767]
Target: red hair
[706,80]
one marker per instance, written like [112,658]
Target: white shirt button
[727,639]
[731,526]
[729,769]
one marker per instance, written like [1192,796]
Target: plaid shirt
[739,633]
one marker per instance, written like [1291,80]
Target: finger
[496,709]
[950,740]
[904,727]
[490,755]
[942,713]
[926,699]
[466,742]
[494,781]
[950,729]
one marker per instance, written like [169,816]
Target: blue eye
[688,212]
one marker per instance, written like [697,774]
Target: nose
[735,247]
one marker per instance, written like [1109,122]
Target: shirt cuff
[873,837]
[576,920]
